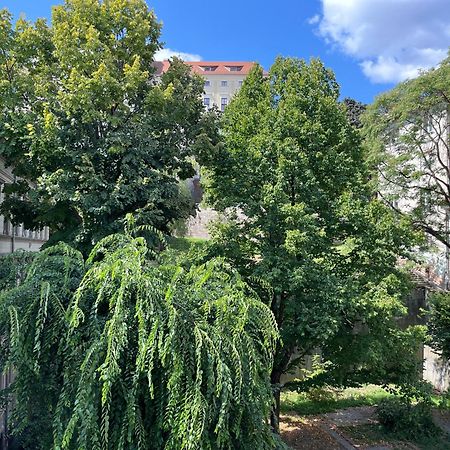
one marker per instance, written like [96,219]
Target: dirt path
[328,432]
[302,433]
[358,415]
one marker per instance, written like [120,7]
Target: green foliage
[379,354]
[85,120]
[354,111]
[185,244]
[407,134]
[412,420]
[13,268]
[121,352]
[33,319]
[439,323]
[321,394]
[375,435]
[302,220]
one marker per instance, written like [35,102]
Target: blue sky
[370,44]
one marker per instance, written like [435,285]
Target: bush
[322,394]
[400,415]
[439,323]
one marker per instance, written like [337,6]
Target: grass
[184,244]
[323,401]
[374,434]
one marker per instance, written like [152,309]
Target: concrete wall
[435,369]
[198,226]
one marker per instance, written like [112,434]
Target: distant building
[14,237]
[222,79]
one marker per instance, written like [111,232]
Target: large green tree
[408,133]
[303,224]
[89,131]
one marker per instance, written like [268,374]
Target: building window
[234,68]
[240,82]
[224,83]
[207,83]
[223,103]
[206,102]
[209,68]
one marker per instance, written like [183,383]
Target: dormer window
[208,68]
[234,68]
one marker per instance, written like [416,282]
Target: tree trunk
[282,357]
[275,379]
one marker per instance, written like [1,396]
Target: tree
[354,110]
[439,323]
[302,223]
[120,351]
[90,133]
[407,131]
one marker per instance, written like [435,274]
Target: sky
[370,44]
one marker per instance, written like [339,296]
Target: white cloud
[392,39]
[167,53]
[314,19]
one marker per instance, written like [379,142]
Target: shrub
[401,416]
[439,323]
[322,394]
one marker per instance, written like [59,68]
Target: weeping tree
[123,352]
[32,318]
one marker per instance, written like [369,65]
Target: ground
[302,433]
[332,424]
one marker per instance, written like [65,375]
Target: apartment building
[14,237]
[222,79]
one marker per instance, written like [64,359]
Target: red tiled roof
[161,67]
[220,67]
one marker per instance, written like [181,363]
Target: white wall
[216,91]
[17,237]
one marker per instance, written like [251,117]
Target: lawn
[323,401]
[184,244]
